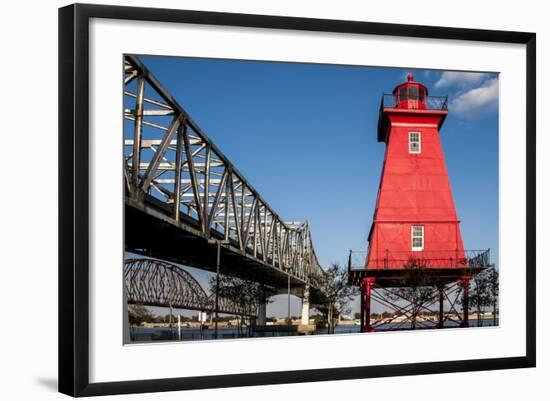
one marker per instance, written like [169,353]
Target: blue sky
[304,135]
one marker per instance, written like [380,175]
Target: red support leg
[362,309]
[367,284]
[466,301]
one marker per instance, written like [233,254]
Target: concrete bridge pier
[305,306]
[262,314]
[305,327]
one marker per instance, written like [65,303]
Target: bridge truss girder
[170,161]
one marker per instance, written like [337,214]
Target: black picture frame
[74,198]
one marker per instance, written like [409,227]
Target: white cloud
[477,100]
[461,79]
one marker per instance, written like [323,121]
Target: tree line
[138,314]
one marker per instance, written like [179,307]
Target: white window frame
[419,150]
[413,237]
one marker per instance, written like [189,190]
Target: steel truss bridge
[153,282]
[187,203]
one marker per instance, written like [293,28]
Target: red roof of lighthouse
[410,83]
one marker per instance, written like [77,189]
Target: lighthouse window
[414,142]
[403,94]
[417,234]
[413,92]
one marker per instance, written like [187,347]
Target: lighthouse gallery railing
[440,259]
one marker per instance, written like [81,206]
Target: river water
[141,334]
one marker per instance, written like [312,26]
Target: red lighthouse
[415,216]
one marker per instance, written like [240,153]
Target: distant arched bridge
[153,282]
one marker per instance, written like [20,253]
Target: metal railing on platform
[390,259]
[390,101]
